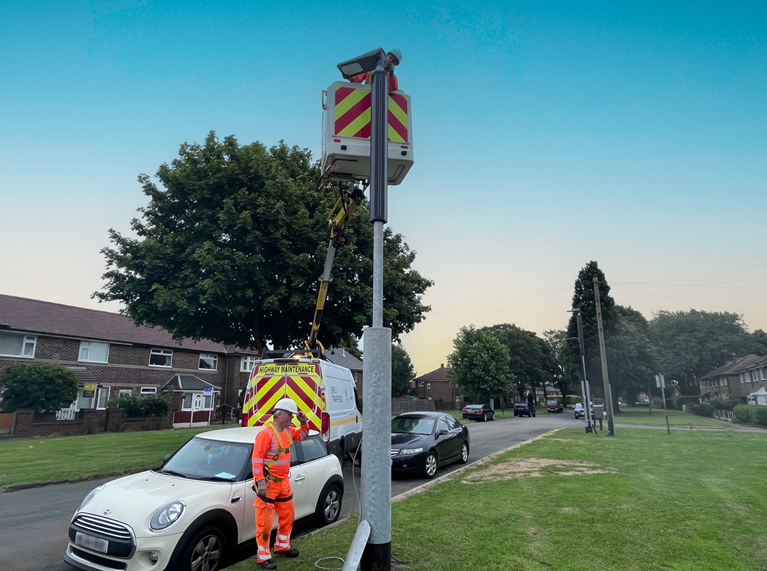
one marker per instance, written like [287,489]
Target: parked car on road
[421,442]
[197,508]
[524,409]
[554,405]
[481,412]
[580,412]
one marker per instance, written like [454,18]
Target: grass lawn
[641,415]
[80,457]
[691,501]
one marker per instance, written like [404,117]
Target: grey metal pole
[603,358]
[587,391]
[376,442]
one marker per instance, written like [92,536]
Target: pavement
[33,526]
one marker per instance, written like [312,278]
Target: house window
[148,391]
[14,345]
[247,364]
[420,383]
[125,392]
[761,371]
[208,362]
[93,352]
[161,358]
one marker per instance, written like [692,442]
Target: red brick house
[110,355]
[435,386]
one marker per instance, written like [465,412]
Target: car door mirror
[441,432]
[167,457]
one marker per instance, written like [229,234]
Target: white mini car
[197,508]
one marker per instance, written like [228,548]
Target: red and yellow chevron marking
[272,382]
[353,112]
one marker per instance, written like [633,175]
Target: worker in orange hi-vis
[271,474]
[392,59]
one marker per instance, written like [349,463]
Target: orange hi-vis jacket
[267,446]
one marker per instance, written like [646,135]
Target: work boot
[268,564]
[292,552]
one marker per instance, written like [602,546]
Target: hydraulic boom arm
[344,208]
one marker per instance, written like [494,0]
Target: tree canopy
[402,371]
[231,245]
[42,388]
[529,358]
[479,364]
[692,343]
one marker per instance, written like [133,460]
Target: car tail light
[325,427]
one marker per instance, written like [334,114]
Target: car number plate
[91,542]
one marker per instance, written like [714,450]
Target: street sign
[660,382]
[207,391]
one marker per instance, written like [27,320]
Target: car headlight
[167,515]
[93,493]
[410,451]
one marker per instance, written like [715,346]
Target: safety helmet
[287,405]
[397,54]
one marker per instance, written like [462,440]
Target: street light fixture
[362,64]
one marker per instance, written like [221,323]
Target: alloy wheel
[464,452]
[207,554]
[431,465]
[332,504]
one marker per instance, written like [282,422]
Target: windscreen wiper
[172,473]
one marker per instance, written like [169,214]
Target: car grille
[104,526]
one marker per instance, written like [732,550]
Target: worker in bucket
[392,60]
[271,474]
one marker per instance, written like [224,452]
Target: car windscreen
[551,403]
[412,425]
[475,406]
[201,459]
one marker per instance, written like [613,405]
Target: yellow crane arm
[339,216]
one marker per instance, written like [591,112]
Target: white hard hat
[397,54]
[286,404]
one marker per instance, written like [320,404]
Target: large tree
[631,355]
[529,359]
[402,371]
[583,300]
[479,365]
[692,343]
[564,362]
[37,386]
[232,243]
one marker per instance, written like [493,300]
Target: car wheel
[329,506]
[464,453]
[205,550]
[484,417]
[430,465]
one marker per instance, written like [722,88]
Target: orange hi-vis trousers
[279,498]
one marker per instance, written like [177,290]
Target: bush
[759,414]
[133,406]
[679,402]
[703,409]
[574,399]
[742,412]
[723,404]
[42,388]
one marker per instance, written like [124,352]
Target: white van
[324,391]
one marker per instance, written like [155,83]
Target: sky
[545,135]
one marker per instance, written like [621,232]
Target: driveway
[33,527]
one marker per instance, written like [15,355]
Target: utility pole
[585,388]
[660,381]
[603,356]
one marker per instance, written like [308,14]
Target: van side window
[313,449]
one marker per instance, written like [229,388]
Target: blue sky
[546,134]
